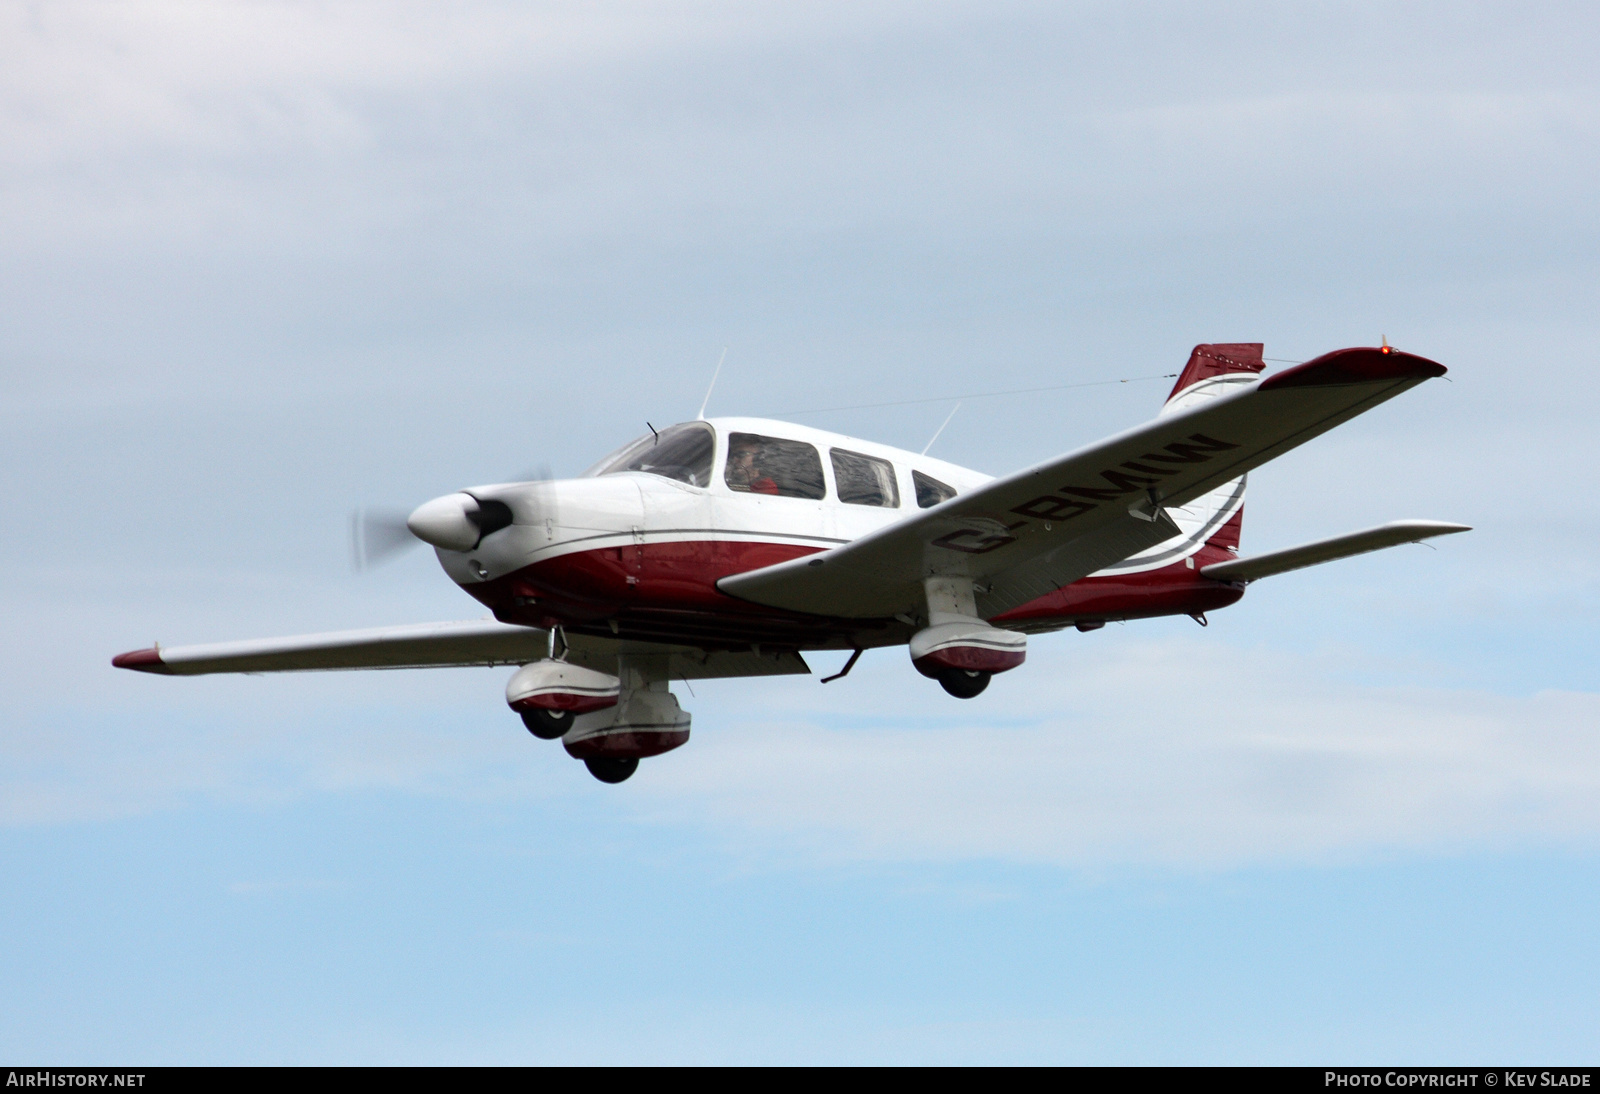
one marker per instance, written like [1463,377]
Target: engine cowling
[967,645]
[556,685]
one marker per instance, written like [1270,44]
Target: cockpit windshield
[680,452]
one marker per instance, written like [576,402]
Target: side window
[772,465]
[681,452]
[931,491]
[863,480]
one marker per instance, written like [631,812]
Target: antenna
[940,430]
[707,400]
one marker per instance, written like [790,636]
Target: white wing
[423,645]
[1033,532]
[443,645]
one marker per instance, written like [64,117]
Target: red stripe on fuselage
[667,592]
[1175,589]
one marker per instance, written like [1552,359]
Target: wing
[446,645]
[1327,550]
[424,645]
[1033,532]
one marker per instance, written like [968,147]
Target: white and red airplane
[731,546]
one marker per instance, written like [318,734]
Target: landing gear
[963,684]
[547,725]
[608,722]
[611,769]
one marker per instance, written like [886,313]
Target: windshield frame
[616,462]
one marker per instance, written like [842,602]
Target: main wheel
[610,769]
[547,725]
[963,684]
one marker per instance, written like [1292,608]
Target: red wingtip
[142,661]
[1355,366]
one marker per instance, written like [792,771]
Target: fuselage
[634,548]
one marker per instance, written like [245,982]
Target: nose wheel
[964,684]
[547,725]
[610,769]
[550,725]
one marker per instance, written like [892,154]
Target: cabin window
[772,465]
[930,491]
[682,453]
[864,480]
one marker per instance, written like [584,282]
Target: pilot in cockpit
[745,471]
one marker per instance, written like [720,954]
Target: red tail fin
[1208,360]
[1228,364]
[1227,537]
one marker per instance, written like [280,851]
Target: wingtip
[1432,527]
[142,661]
[1359,365]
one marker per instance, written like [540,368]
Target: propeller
[376,536]
[457,521]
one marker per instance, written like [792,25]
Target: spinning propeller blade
[377,535]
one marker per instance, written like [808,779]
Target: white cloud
[1180,753]
[1100,752]
[194,121]
[261,745]
[83,78]
[478,137]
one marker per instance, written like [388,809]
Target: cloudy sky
[261,263]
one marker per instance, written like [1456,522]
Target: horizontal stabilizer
[1326,550]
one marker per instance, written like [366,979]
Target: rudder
[1214,369]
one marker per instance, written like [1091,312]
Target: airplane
[730,547]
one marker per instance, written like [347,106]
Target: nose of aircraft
[447,522]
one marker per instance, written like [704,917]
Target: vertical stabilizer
[1227,537]
[1213,369]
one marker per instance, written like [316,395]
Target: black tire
[547,725]
[609,769]
[963,684]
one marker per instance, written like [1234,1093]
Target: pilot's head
[743,455]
